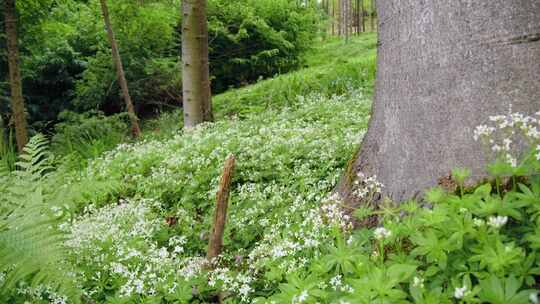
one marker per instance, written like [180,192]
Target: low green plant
[33,258]
[8,151]
[145,239]
[478,245]
[86,136]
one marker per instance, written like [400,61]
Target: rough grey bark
[197,97]
[17,101]
[136,130]
[443,68]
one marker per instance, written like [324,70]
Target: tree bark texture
[136,130]
[220,216]
[443,68]
[197,98]
[17,101]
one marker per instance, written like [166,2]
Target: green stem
[498,185]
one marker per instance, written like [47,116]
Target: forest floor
[138,218]
[145,234]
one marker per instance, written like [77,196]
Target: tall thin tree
[373,14]
[363,14]
[136,130]
[197,97]
[17,101]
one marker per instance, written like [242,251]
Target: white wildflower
[478,222]
[301,298]
[511,160]
[418,282]
[382,233]
[497,221]
[461,292]
[482,131]
[335,282]
[533,297]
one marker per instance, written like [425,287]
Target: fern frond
[31,245]
[34,160]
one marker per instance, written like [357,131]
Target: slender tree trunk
[443,67]
[356,17]
[363,12]
[340,21]
[136,130]
[333,18]
[372,19]
[17,101]
[348,19]
[197,98]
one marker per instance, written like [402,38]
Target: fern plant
[31,244]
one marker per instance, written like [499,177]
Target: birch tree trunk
[443,68]
[197,98]
[136,130]
[363,14]
[17,101]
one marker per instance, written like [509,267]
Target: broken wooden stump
[215,244]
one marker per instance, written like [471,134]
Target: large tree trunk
[197,98]
[443,68]
[136,130]
[17,102]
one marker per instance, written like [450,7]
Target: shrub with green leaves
[70,67]
[145,239]
[475,245]
[88,135]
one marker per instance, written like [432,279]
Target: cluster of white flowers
[301,298]
[336,284]
[227,280]
[334,213]
[382,233]
[279,157]
[461,292]
[508,133]
[478,222]
[177,243]
[497,221]
[42,292]
[119,240]
[418,282]
[366,186]
[533,297]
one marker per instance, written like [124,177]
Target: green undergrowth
[333,67]
[133,225]
[143,238]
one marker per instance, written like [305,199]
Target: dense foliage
[125,249]
[66,60]
[131,225]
